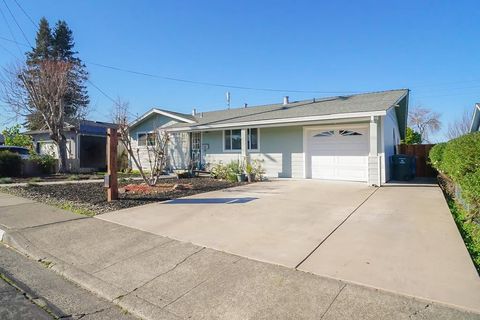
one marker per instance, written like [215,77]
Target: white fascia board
[262,123]
[173,116]
[164,113]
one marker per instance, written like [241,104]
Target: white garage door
[339,154]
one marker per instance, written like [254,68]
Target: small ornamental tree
[156,146]
[13,137]
[412,137]
[424,121]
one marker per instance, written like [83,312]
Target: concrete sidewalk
[159,278]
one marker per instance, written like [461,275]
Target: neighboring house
[338,138]
[476,119]
[86,145]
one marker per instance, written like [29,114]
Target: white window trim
[146,144]
[240,150]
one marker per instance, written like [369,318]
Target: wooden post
[112,140]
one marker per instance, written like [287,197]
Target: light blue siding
[150,124]
[281,150]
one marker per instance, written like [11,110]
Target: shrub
[257,169]
[461,156]
[219,171]
[227,172]
[45,162]
[460,160]
[10,164]
[436,156]
[6,180]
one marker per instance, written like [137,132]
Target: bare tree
[424,121]
[40,90]
[460,126]
[156,145]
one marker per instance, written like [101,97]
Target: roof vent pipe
[285,100]
[194,112]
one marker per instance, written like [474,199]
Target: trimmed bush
[460,160]
[10,164]
[462,156]
[45,162]
[436,155]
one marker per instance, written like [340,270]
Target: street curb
[126,300]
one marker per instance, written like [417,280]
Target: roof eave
[279,122]
[161,112]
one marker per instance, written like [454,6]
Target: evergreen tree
[43,44]
[59,45]
[42,51]
[76,99]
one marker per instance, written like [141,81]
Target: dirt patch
[92,197]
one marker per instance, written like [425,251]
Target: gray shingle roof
[366,102]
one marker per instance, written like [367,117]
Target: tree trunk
[62,154]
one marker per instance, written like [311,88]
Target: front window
[146,139]
[233,139]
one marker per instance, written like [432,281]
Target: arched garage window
[328,133]
[349,133]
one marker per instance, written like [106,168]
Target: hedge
[460,160]
[10,164]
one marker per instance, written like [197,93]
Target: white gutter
[260,123]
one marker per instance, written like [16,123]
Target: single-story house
[349,137]
[86,145]
[475,126]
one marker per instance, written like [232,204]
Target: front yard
[90,198]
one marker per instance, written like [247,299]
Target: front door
[196,150]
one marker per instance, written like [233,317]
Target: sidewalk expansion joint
[336,228]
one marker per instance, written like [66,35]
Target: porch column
[244,136]
[373,157]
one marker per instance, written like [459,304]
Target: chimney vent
[194,112]
[285,100]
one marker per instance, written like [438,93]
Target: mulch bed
[92,196]
[67,177]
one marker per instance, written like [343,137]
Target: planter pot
[251,177]
[241,177]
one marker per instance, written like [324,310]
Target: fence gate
[420,151]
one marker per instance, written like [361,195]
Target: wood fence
[420,151]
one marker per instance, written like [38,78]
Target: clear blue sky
[431,47]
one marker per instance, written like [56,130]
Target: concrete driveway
[401,239]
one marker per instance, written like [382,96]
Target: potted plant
[250,172]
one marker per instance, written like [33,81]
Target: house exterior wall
[45,145]
[280,150]
[178,148]
[391,139]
